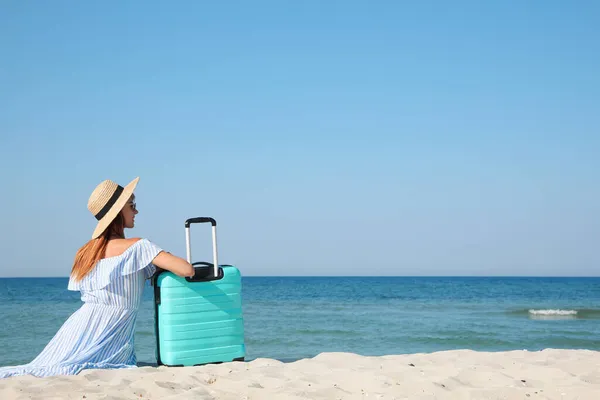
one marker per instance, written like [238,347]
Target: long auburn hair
[93,251]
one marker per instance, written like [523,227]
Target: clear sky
[326,138]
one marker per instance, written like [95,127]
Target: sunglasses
[133,206]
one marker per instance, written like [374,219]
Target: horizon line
[358,276]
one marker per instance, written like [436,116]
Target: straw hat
[106,202]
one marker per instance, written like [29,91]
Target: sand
[457,374]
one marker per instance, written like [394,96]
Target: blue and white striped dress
[100,334]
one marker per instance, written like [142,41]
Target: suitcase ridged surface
[199,322]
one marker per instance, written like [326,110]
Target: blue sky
[326,138]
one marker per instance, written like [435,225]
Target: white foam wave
[553,312]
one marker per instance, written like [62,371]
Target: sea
[290,318]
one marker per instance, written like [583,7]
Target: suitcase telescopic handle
[199,220]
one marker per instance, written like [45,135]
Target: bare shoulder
[116,247]
[132,241]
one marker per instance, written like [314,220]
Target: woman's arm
[176,265]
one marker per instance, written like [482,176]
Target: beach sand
[457,374]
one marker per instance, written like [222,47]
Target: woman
[109,271]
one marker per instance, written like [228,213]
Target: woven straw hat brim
[115,209]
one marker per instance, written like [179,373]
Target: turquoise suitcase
[198,320]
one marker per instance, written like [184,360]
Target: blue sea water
[289,318]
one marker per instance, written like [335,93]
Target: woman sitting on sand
[109,271]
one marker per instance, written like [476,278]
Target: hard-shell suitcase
[198,320]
